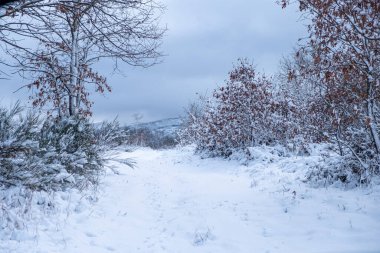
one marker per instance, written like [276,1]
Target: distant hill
[166,126]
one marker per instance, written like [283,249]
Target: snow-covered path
[176,202]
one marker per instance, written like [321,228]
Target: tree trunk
[371,117]
[73,68]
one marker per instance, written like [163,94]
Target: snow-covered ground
[174,201]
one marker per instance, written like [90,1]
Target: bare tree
[56,42]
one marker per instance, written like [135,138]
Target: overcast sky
[204,39]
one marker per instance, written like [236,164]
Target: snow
[175,201]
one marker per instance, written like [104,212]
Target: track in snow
[176,202]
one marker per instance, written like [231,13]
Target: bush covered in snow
[44,157]
[334,111]
[110,134]
[52,154]
[242,113]
[293,111]
[70,147]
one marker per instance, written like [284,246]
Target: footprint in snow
[110,248]
[88,234]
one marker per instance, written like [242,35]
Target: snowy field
[174,201]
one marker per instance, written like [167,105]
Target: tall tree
[56,42]
[344,43]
